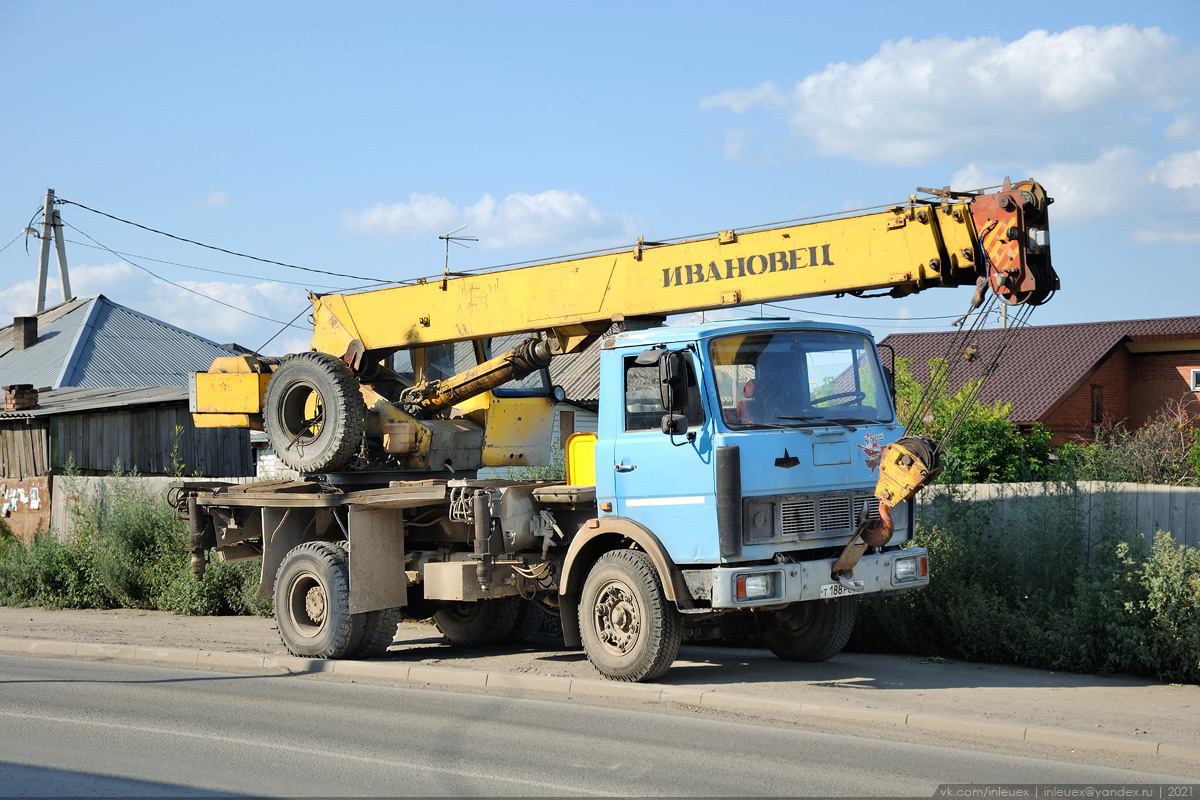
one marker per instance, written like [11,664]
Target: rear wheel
[815,630]
[379,631]
[312,602]
[529,619]
[478,622]
[630,630]
[313,413]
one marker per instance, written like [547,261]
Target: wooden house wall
[24,448]
[143,439]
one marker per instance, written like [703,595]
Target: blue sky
[346,137]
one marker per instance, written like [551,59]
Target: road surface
[85,728]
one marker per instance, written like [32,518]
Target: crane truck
[743,472]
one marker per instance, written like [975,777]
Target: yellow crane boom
[316,421]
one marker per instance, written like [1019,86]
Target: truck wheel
[312,602]
[529,619]
[815,630]
[477,622]
[313,413]
[630,631]
[379,632]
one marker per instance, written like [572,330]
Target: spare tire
[313,413]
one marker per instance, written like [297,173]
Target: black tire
[313,413]
[815,630]
[529,619]
[312,602]
[370,635]
[379,631]
[630,630]
[477,622]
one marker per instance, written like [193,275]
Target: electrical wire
[207,269]
[851,316]
[220,249]
[18,236]
[181,286]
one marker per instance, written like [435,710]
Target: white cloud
[915,102]
[1184,126]
[219,322]
[1179,171]
[518,221]
[741,100]
[20,299]
[212,200]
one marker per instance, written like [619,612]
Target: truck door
[666,482]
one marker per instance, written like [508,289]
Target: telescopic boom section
[997,241]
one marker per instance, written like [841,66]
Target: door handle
[624,467]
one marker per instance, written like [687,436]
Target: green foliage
[556,470]
[126,549]
[1039,590]
[226,589]
[1166,450]
[986,447]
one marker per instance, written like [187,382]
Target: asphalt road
[87,728]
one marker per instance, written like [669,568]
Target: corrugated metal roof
[67,401]
[1045,363]
[98,343]
[42,364]
[579,373]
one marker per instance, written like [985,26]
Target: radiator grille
[823,516]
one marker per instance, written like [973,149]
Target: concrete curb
[450,676]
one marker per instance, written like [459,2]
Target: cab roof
[707,330]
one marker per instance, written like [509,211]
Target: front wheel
[630,630]
[815,630]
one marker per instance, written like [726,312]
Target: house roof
[1045,363]
[94,342]
[71,400]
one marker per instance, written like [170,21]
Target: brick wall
[1159,379]
[1072,420]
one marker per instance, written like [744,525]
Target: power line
[222,249]
[851,316]
[18,236]
[181,286]
[204,269]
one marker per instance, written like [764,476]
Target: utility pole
[51,231]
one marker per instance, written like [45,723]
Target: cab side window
[643,398]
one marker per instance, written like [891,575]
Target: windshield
[798,378]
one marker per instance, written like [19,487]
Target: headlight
[911,568]
[756,586]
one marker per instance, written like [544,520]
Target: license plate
[836,590]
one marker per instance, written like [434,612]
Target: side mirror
[672,378]
[674,424]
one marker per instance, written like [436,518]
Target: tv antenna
[461,241]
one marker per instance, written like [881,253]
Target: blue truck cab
[750,474]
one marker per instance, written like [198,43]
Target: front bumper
[775,584]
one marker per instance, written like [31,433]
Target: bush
[226,589]
[125,549]
[1049,596]
[1166,450]
[986,447]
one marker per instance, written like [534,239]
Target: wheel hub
[315,605]
[617,618]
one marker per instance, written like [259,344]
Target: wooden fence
[1124,508]
[65,489]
